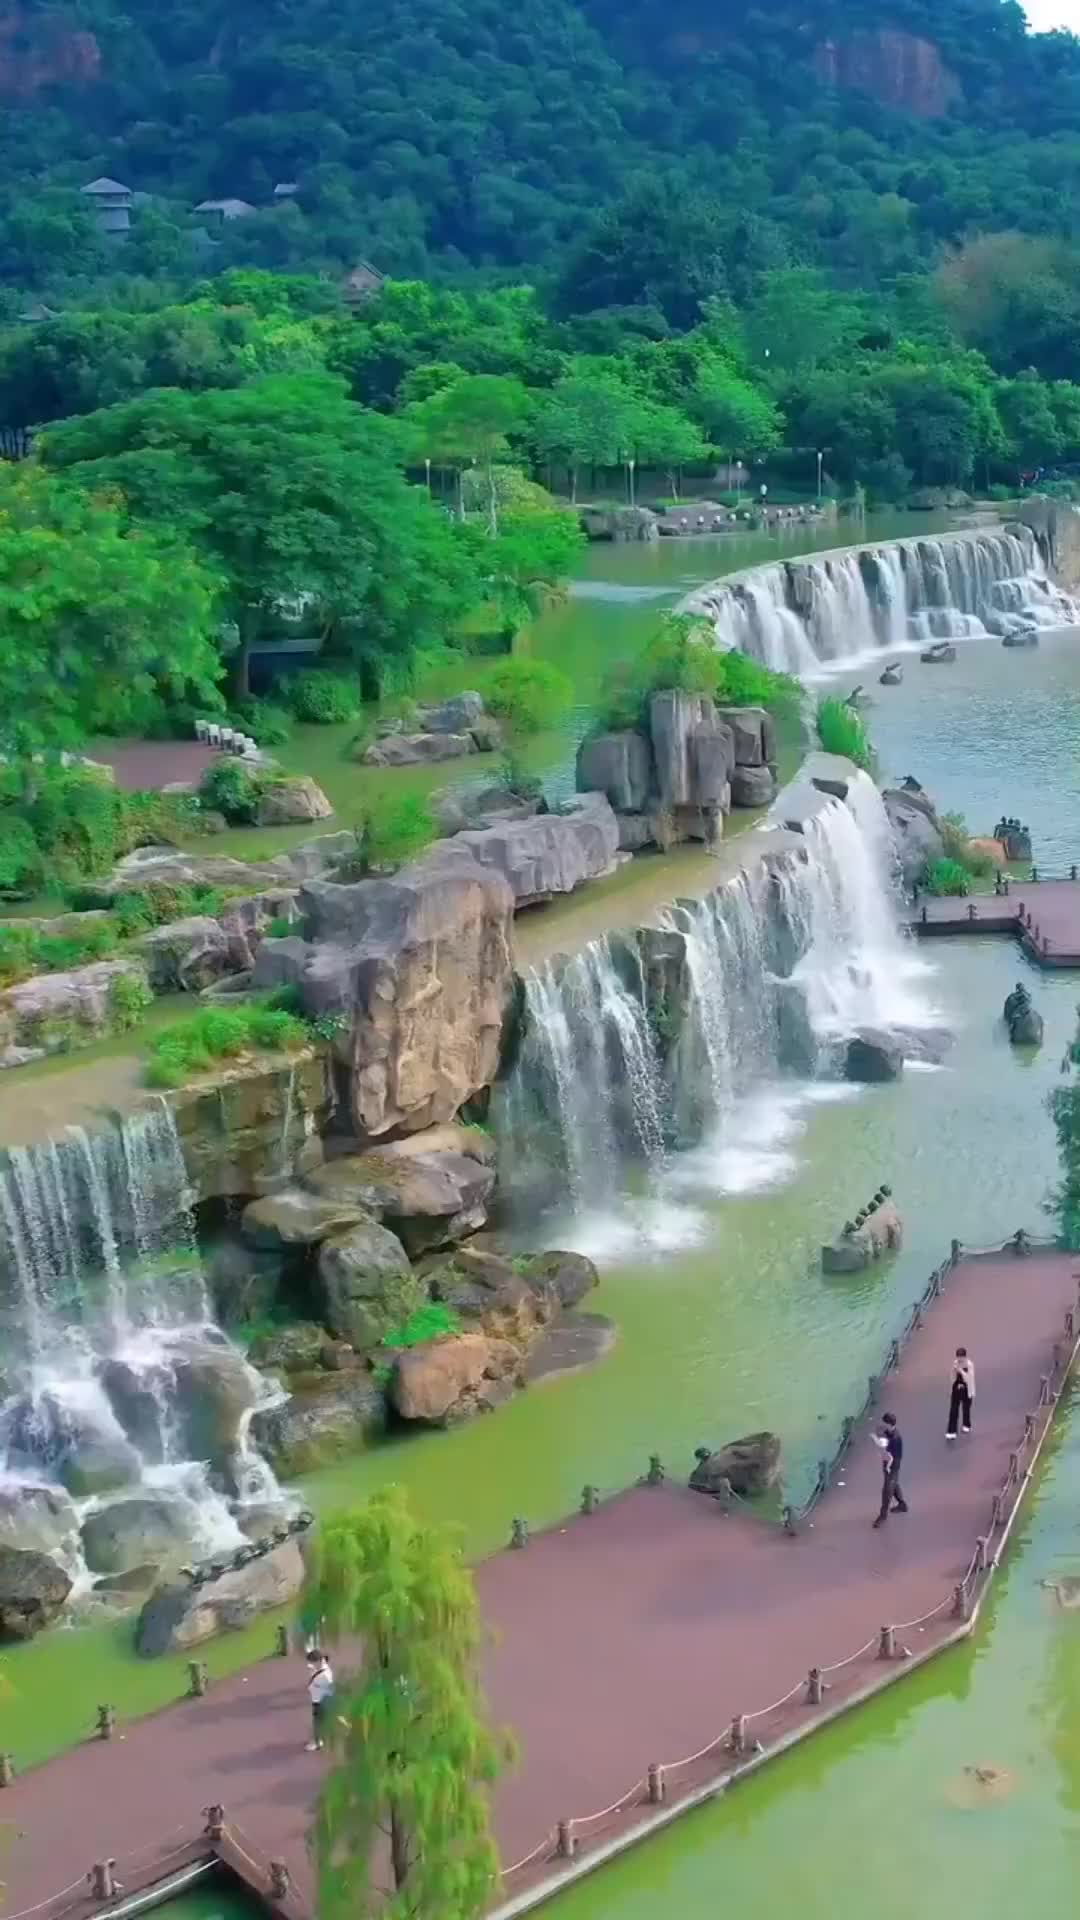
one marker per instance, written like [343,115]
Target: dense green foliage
[62,826]
[433,1321]
[323,698]
[680,656]
[947,876]
[220,1033]
[531,694]
[413,1759]
[1064,1108]
[840,730]
[393,828]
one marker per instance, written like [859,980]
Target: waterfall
[114,1378]
[810,615]
[645,1050]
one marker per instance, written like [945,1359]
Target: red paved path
[631,1635]
[1054,906]
[145,765]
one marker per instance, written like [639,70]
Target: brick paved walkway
[626,1637]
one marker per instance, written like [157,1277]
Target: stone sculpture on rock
[746,1467]
[1023,1020]
[873,1232]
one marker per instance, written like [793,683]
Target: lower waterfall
[645,1047]
[830,610]
[114,1378]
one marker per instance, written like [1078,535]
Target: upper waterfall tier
[831,610]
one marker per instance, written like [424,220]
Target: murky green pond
[727,1324]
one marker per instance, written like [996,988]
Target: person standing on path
[891,1442]
[961,1393]
[320,1693]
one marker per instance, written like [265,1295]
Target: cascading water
[644,1060]
[115,1378]
[831,610]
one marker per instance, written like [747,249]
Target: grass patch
[221,1033]
[840,730]
[947,877]
[433,1321]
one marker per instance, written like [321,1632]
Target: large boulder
[282,963]
[318,856]
[179,1615]
[552,853]
[874,1055]
[417,749]
[130,1533]
[246,919]
[465,808]
[423,975]
[457,715]
[754,734]
[750,1466]
[369,1286]
[566,1276]
[442,1381]
[753,787]
[186,955]
[916,834]
[54,1011]
[80,1445]
[712,765]
[41,1519]
[213,1389]
[618,765]
[860,1245]
[33,1590]
[573,1341]
[294,1218]
[175,866]
[673,718]
[296,1348]
[244,1281]
[429,1199]
[285,803]
[326,1417]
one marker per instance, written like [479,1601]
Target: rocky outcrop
[620,523]
[293,1218]
[574,1341]
[676,780]
[42,52]
[753,787]
[419,969]
[284,803]
[874,1055]
[443,1381]
[429,1198]
[747,1467]
[454,727]
[417,749]
[471,809]
[213,1389]
[901,70]
[457,715]
[254,1122]
[618,765]
[55,1011]
[186,955]
[551,853]
[566,1277]
[327,1416]
[33,1590]
[917,836]
[368,1284]
[180,1615]
[943,654]
[865,1240]
[130,1533]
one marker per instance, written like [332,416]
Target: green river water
[727,1324]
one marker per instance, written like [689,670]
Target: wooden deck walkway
[1044,915]
[636,1636]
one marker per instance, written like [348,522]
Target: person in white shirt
[320,1693]
[961,1393]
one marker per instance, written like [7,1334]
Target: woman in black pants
[962,1393]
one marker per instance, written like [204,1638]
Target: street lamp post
[630,465]
[820,465]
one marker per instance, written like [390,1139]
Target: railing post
[847,1429]
[655,1475]
[215,1822]
[1059,1356]
[104,1884]
[565,1840]
[1014,1467]
[894,1355]
[724,1492]
[196,1679]
[1070,1322]
[7,1769]
[982,1546]
[995,1513]
[737,1736]
[519,1533]
[280,1881]
[873,1389]
[788,1518]
[657,1784]
[281,1641]
[1044,1390]
[813,1687]
[887,1643]
[960,1600]
[1030,1423]
[955,1250]
[106,1722]
[590,1499]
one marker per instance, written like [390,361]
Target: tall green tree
[290,489]
[97,615]
[586,419]
[413,1757]
[472,421]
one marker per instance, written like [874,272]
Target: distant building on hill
[112,203]
[362,283]
[217,212]
[286,190]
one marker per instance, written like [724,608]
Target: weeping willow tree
[402,1828]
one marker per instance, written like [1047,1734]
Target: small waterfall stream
[114,1378]
[642,1050]
[829,610]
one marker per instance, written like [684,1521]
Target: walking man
[320,1693]
[891,1442]
[961,1393]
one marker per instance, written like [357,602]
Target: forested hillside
[432,137]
